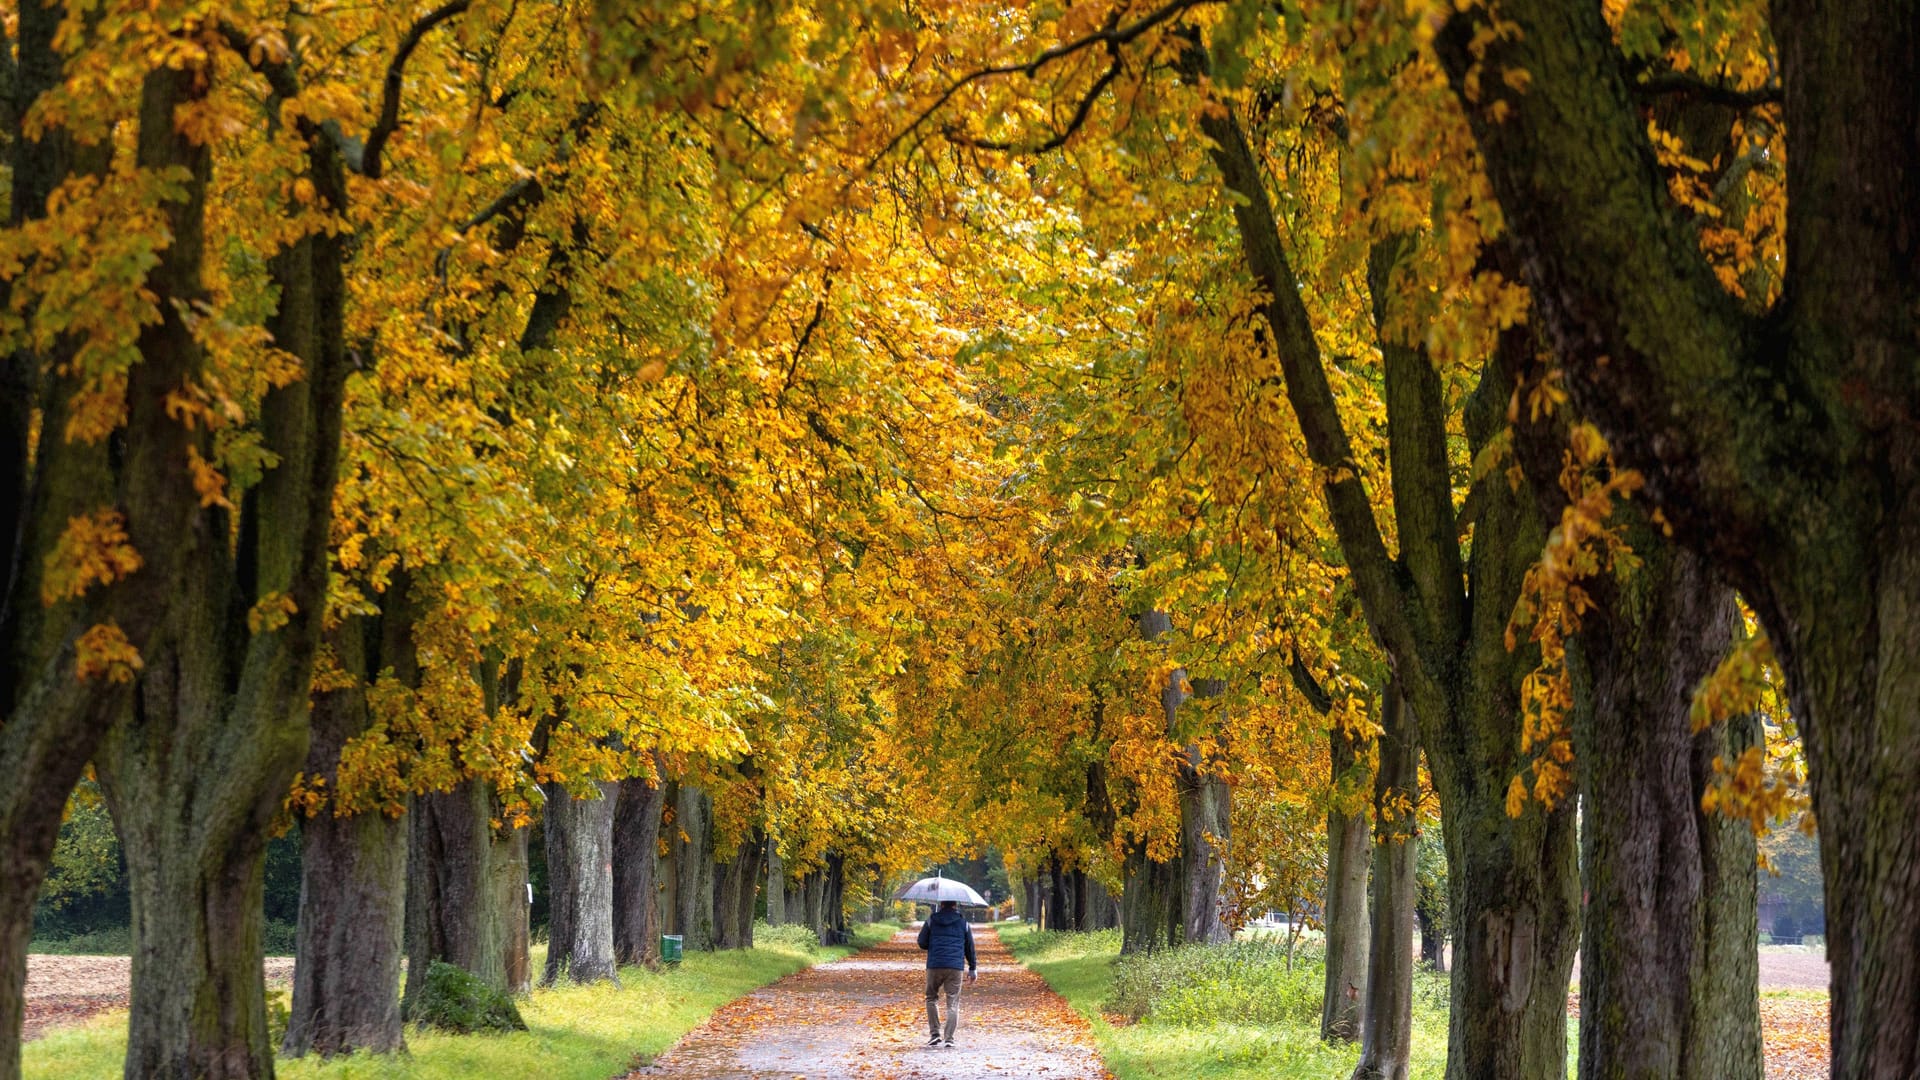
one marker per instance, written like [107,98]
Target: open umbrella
[932,890]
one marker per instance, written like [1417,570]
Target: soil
[69,989]
[865,1017]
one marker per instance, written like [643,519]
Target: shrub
[791,936]
[1245,982]
[457,1000]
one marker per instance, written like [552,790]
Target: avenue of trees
[1446,467]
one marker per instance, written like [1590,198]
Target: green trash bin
[670,948]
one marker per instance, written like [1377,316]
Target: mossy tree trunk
[197,772]
[636,862]
[777,886]
[1344,910]
[1774,442]
[1669,985]
[353,868]
[1056,894]
[1206,831]
[579,836]
[1441,614]
[736,887]
[692,844]
[51,720]
[1386,1031]
[452,906]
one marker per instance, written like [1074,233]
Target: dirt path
[69,989]
[865,1017]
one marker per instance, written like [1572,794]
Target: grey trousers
[947,980]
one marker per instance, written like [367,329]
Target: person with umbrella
[948,942]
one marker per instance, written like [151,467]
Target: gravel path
[865,1017]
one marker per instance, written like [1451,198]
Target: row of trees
[1123,433]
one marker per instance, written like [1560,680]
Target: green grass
[576,1033]
[1220,1013]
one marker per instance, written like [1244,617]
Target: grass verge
[1178,1037]
[575,1033]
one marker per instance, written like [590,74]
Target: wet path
[865,1017]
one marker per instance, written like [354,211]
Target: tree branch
[1655,351]
[1112,36]
[370,163]
[1375,575]
[1417,457]
[1675,83]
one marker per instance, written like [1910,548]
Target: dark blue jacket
[948,941]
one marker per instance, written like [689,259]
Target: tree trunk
[353,869]
[813,895]
[1056,894]
[636,858]
[1082,902]
[736,887]
[1433,941]
[834,901]
[451,912]
[776,886]
[692,843]
[1206,827]
[1810,510]
[580,884]
[1387,1022]
[51,721]
[1150,907]
[512,897]
[1345,910]
[1668,971]
[1105,909]
[1514,883]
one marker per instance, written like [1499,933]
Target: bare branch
[1112,36]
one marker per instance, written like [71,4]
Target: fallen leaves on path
[865,1017]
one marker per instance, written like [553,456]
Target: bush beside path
[865,1017]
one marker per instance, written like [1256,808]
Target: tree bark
[1514,883]
[1056,894]
[51,721]
[692,843]
[1809,509]
[1150,906]
[353,868]
[54,718]
[512,897]
[776,886]
[452,912]
[1206,830]
[580,884]
[636,858]
[1433,940]
[1387,1023]
[736,887]
[833,901]
[1345,909]
[1082,903]
[1668,973]
[813,894]
[197,772]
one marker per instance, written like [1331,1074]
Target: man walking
[948,942]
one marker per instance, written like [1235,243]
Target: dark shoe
[949,1044]
[934,1043]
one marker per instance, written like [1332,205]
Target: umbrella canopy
[932,890]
